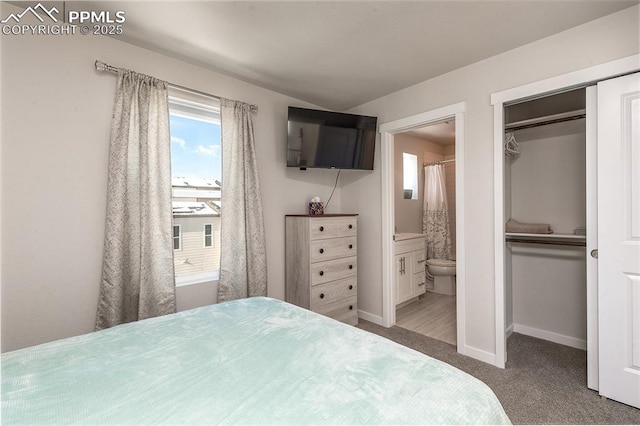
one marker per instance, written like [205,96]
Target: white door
[619,238]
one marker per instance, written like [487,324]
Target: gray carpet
[543,382]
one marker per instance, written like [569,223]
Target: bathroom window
[410,176]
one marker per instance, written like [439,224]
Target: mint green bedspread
[257,360]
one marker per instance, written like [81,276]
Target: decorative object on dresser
[322,264]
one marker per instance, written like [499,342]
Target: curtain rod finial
[100,66]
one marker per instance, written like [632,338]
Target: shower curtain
[435,213]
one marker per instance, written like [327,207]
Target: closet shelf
[552,239]
[547,119]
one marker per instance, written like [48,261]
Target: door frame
[387,130]
[572,80]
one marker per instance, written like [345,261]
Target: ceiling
[340,54]
[443,133]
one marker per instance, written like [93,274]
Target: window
[208,235]
[196,174]
[177,240]
[410,176]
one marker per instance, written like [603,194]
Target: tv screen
[325,139]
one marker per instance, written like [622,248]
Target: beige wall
[606,39]
[56,114]
[548,185]
[408,213]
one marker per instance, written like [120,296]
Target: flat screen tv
[325,139]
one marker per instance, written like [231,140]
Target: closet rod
[548,242]
[101,66]
[438,162]
[543,122]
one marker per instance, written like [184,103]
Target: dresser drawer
[331,270]
[344,310]
[335,227]
[419,261]
[333,248]
[328,293]
[420,282]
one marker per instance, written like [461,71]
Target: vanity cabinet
[321,271]
[409,268]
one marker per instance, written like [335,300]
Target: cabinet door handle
[421,261]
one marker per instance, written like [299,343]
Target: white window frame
[210,235]
[179,237]
[410,174]
[194,106]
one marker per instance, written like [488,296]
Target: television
[325,139]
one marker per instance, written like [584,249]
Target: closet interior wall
[546,183]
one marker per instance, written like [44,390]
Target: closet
[576,172]
[545,199]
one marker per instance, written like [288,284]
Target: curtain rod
[438,162]
[508,129]
[102,66]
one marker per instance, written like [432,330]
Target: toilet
[444,275]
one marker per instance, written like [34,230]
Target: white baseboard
[478,354]
[370,317]
[573,342]
[509,331]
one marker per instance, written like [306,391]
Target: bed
[256,361]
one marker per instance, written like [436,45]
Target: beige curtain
[243,260]
[137,272]
[435,213]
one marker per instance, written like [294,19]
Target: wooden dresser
[322,264]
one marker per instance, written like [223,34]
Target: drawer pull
[350,307]
[350,287]
[350,246]
[321,273]
[321,295]
[321,251]
[321,228]
[350,266]
[350,226]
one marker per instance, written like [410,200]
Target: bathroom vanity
[410,279]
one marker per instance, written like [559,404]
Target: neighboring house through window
[196,173]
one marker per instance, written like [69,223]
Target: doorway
[454,114]
[425,218]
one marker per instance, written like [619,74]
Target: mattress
[256,360]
